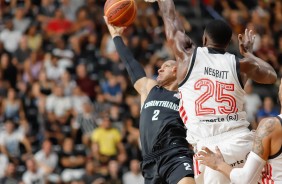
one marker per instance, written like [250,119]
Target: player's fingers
[246,34]
[106,19]
[202,153]
[251,35]
[208,150]
[240,38]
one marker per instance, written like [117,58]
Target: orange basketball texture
[120,12]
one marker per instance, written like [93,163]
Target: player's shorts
[168,167]
[234,145]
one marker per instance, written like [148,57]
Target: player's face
[167,73]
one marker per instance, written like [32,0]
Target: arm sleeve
[251,171]
[133,67]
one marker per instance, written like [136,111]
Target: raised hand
[209,158]
[114,30]
[246,42]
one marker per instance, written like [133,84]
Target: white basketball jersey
[212,97]
[272,172]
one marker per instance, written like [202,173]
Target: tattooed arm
[262,140]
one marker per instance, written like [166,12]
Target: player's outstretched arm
[181,44]
[135,70]
[253,67]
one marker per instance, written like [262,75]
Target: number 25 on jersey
[217,91]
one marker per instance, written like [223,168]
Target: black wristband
[133,67]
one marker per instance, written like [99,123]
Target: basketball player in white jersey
[264,163]
[211,83]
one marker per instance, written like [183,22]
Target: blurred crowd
[68,112]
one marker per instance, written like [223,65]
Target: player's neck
[171,86]
[216,46]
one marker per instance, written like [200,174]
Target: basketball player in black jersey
[166,156]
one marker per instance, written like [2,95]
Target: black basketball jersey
[160,123]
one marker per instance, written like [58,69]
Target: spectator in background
[33,174]
[12,106]
[107,143]
[67,83]
[268,109]
[71,161]
[11,176]
[47,161]
[59,25]
[114,175]
[112,89]
[46,11]
[86,121]
[10,140]
[64,54]
[10,37]
[22,53]
[34,38]
[86,84]
[8,71]
[91,175]
[32,67]
[252,104]
[3,164]
[20,22]
[78,98]
[101,105]
[53,69]
[134,175]
[58,109]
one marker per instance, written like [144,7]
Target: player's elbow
[268,78]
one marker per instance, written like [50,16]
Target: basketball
[120,13]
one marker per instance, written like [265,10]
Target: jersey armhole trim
[238,72]
[190,69]
[276,154]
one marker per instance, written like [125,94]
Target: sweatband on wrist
[133,67]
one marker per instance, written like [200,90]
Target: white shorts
[234,145]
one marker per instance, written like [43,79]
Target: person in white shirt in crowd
[10,37]
[57,103]
[3,164]
[10,140]
[78,98]
[33,173]
[134,175]
[47,161]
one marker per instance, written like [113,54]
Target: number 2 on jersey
[155,116]
[217,92]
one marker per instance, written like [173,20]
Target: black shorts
[169,167]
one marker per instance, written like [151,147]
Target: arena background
[62,83]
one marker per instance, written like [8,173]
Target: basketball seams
[118,2]
[125,11]
[133,16]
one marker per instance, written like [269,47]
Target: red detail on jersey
[196,166]
[221,97]
[216,89]
[200,110]
[267,174]
[182,112]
